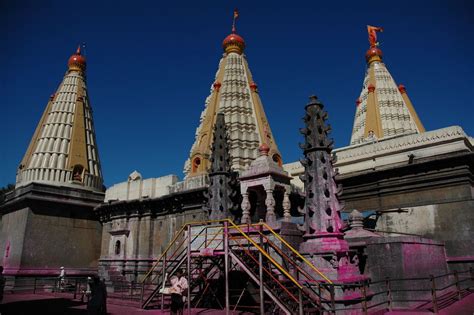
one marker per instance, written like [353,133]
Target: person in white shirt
[179,285]
[62,279]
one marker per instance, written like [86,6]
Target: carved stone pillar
[245,209]
[270,216]
[286,206]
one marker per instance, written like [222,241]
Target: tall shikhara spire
[63,150]
[383,109]
[235,94]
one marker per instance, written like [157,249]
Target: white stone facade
[394,114]
[243,112]
[393,151]
[48,160]
[138,188]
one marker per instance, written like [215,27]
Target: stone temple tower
[383,109]
[63,149]
[235,94]
[47,221]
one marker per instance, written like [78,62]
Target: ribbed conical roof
[63,149]
[383,109]
[235,94]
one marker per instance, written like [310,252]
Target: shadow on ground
[46,306]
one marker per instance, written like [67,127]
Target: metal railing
[433,292]
[75,286]
[424,293]
[225,235]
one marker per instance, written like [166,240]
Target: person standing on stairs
[179,285]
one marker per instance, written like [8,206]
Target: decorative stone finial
[402,88]
[254,86]
[371,88]
[264,149]
[374,53]
[134,176]
[356,220]
[217,86]
[77,62]
[234,42]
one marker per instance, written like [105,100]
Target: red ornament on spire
[234,42]
[253,86]
[236,15]
[217,85]
[358,101]
[77,61]
[402,89]
[371,88]
[264,149]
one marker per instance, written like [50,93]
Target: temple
[235,94]
[47,221]
[63,149]
[383,223]
[404,178]
[383,109]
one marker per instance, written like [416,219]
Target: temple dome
[373,54]
[233,43]
[77,61]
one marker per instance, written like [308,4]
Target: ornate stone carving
[286,207]
[245,209]
[324,240]
[222,188]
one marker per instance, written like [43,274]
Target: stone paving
[27,304]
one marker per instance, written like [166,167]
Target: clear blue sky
[151,64]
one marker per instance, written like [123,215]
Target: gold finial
[374,53]
[234,42]
[77,62]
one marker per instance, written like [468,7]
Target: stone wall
[136,232]
[404,257]
[44,227]
[136,187]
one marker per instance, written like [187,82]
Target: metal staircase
[277,280]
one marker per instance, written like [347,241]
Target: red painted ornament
[253,86]
[402,89]
[372,52]
[264,149]
[77,60]
[233,38]
[217,86]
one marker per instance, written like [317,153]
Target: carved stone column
[245,209]
[286,206]
[270,216]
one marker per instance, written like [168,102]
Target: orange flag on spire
[372,30]
[236,15]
